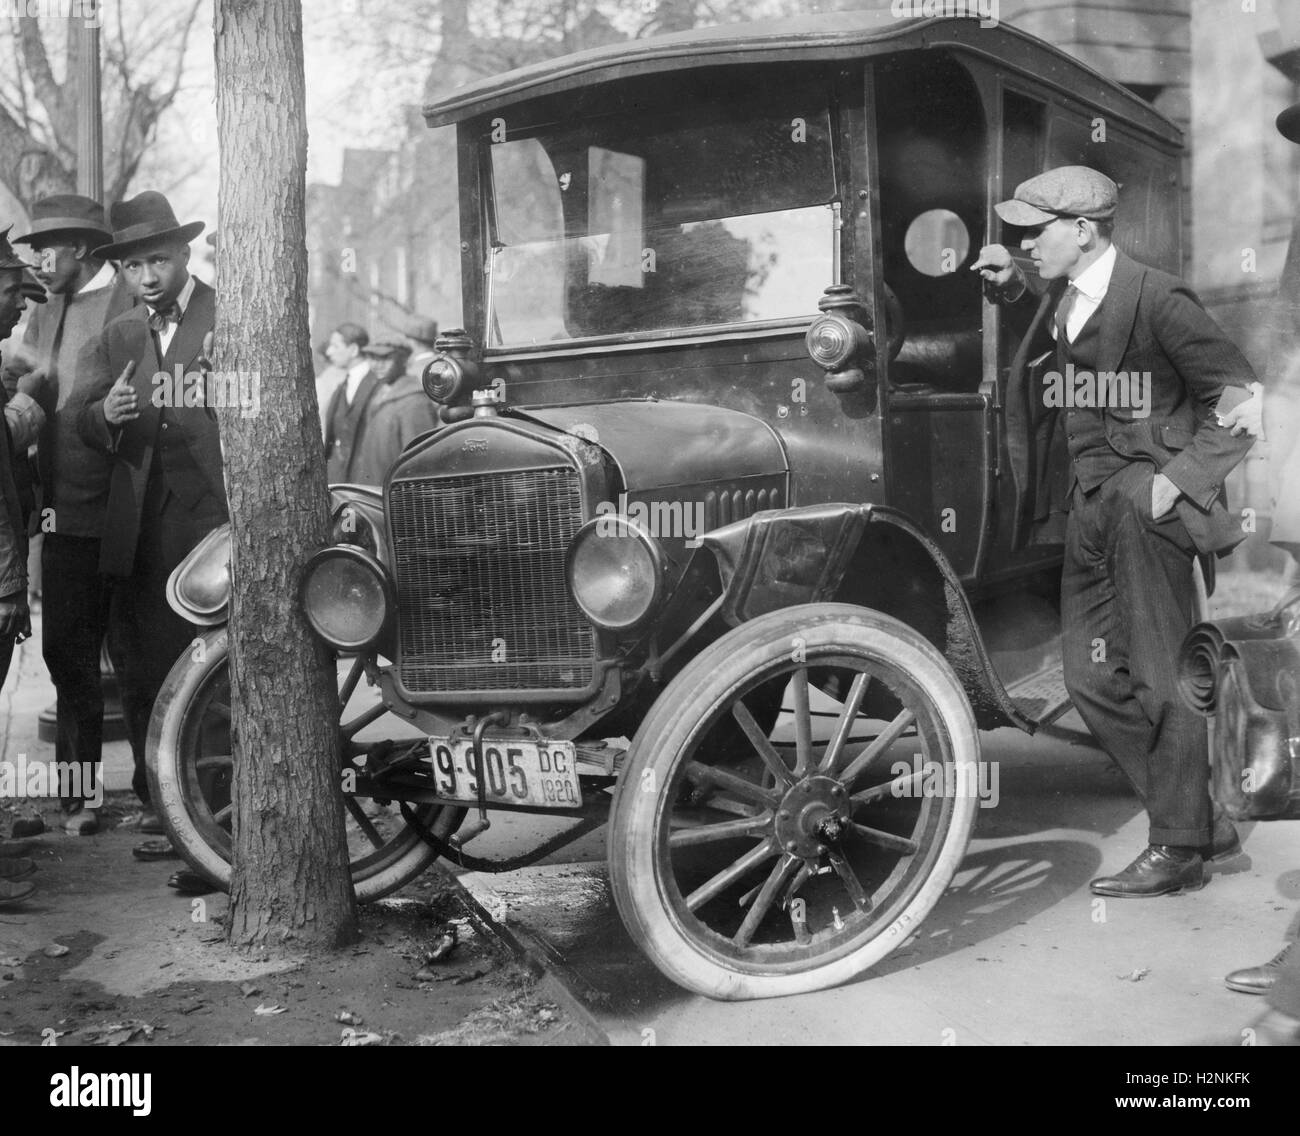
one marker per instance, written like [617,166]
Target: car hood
[657,445]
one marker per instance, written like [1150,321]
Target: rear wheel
[190,769]
[801,863]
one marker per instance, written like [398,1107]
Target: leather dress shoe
[189,883]
[1159,870]
[27,826]
[16,869]
[1258,979]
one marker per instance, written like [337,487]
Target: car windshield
[693,218]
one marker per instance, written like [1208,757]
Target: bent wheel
[190,767]
[805,861]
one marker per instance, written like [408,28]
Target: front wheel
[190,766]
[799,864]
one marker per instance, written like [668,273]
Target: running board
[1041,697]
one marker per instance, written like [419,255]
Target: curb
[542,960]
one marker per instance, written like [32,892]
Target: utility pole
[90,122]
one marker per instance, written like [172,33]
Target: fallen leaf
[264,1010]
[1134,975]
[442,947]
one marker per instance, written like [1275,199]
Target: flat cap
[1067,191]
[385,349]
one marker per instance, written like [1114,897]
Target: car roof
[831,36]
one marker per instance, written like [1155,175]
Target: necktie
[159,318]
[1063,313]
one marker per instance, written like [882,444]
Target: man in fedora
[166,487]
[1140,484]
[86,293]
[15,621]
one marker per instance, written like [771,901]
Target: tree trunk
[290,878]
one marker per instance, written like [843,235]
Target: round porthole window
[937,242]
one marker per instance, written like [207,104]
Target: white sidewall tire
[163,755]
[634,864]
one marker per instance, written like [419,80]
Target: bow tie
[159,318]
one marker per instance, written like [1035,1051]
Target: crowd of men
[122,488]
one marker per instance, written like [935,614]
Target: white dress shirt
[356,376]
[168,333]
[1090,288]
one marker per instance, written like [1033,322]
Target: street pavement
[1017,952]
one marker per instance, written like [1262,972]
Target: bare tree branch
[53,97]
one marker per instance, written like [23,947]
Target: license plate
[539,775]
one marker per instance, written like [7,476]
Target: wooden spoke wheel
[190,773]
[799,864]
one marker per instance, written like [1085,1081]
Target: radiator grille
[479,563]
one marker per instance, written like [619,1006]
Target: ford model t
[727,530]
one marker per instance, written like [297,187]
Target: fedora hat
[143,220]
[67,213]
[10,260]
[1288,123]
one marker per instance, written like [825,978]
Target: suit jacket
[133,445]
[345,430]
[1153,325]
[39,343]
[396,414]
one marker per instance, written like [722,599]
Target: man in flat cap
[86,293]
[167,488]
[15,620]
[1140,484]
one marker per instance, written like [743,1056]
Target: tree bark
[290,864]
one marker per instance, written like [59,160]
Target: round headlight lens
[615,573]
[347,597]
[832,341]
[442,379]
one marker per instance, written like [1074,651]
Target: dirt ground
[104,953]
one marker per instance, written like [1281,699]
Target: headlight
[347,597]
[615,573]
[444,378]
[833,341]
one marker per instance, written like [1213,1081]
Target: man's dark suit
[166,493]
[76,600]
[1128,595]
[345,429]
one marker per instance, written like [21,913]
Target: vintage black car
[725,537]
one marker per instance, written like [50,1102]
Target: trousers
[75,623]
[1128,598]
